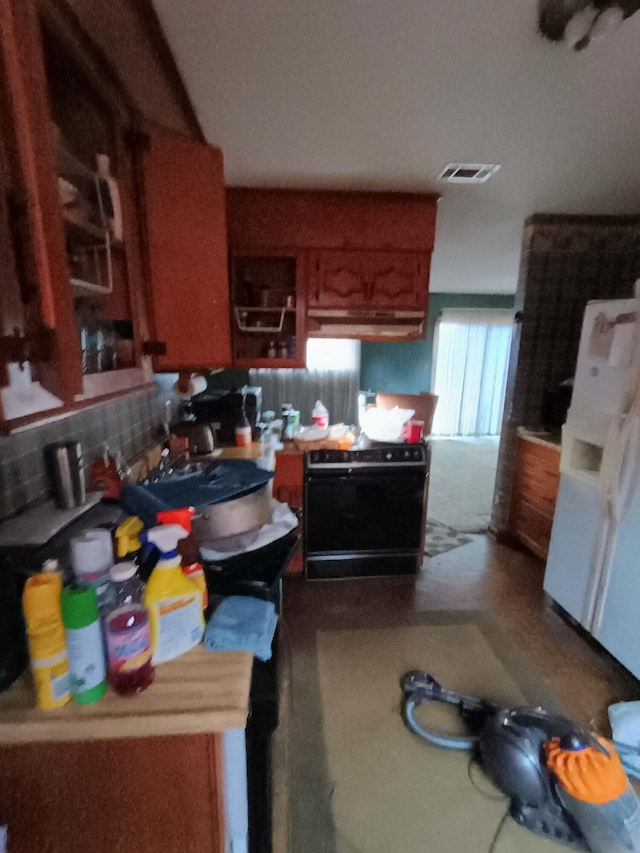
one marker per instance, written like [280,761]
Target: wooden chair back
[423,404]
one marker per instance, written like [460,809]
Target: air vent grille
[468,173]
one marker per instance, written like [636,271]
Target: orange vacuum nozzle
[588,774]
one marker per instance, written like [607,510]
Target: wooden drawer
[532,527]
[535,489]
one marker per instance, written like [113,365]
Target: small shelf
[273,330]
[70,165]
[82,228]
[252,309]
[89,286]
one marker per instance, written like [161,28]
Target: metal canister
[65,467]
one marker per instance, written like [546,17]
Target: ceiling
[375,94]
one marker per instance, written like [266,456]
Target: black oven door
[361,522]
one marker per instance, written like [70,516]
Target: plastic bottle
[91,558]
[174,602]
[47,641]
[53,566]
[84,644]
[191,565]
[128,633]
[128,543]
[104,475]
[320,415]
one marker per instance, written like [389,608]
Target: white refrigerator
[593,567]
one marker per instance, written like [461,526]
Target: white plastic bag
[625,727]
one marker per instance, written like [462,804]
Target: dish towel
[242,623]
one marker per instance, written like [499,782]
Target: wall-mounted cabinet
[366,279]
[365,257]
[184,211]
[113,238]
[89,119]
[267,311]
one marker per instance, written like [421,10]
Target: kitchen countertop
[200,692]
[231,452]
[548,439]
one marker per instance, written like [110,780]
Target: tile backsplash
[129,424]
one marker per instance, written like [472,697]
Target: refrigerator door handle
[626,475]
[626,463]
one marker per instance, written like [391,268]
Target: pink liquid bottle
[128,634]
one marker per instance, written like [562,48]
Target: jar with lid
[271,352]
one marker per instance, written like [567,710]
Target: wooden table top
[198,693]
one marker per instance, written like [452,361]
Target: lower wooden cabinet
[288,482]
[288,487]
[535,488]
[133,795]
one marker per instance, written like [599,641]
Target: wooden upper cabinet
[187,249]
[38,309]
[367,254]
[369,280]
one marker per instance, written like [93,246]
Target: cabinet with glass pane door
[267,309]
[89,120]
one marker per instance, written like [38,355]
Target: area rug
[440,538]
[360,781]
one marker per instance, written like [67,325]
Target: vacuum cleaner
[563,782]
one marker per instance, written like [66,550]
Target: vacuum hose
[445,741]
[420,687]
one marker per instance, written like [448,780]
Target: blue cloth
[242,623]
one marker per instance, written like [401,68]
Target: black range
[365,510]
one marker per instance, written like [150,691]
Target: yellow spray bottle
[128,537]
[41,602]
[174,602]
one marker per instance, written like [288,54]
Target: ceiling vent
[468,173]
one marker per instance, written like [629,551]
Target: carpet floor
[361,782]
[462,482]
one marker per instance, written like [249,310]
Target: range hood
[366,325]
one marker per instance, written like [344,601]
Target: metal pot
[201,435]
[220,521]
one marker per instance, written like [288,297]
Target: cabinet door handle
[368,289]
[154,348]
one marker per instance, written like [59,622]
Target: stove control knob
[389,455]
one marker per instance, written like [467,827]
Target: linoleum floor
[502,582]
[505,583]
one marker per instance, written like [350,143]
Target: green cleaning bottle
[84,644]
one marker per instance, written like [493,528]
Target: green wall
[405,368]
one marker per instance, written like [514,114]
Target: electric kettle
[201,435]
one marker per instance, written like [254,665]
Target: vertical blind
[470,371]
